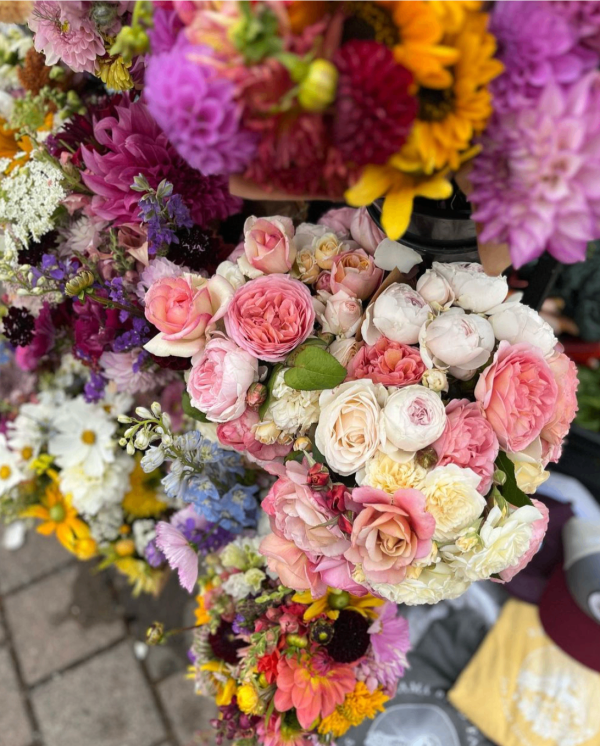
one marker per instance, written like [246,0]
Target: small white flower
[89,494]
[106,523]
[237,586]
[293,411]
[10,471]
[144,531]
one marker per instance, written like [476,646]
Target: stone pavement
[69,672]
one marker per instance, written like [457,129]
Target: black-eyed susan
[334,601]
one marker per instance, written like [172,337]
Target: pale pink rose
[387,362]
[296,513]
[564,371]
[341,314]
[292,566]
[323,282]
[238,434]
[270,316]
[518,394]
[269,243]
[468,441]
[355,271]
[365,232]
[389,533]
[182,308]
[336,572]
[339,220]
[218,382]
[539,531]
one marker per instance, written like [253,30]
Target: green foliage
[191,411]
[510,489]
[588,398]
[314,369]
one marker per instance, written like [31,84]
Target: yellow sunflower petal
[374,182]
[397,209]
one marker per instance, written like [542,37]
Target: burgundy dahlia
[374,109]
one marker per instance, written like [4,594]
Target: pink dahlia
[132,143]
[535,184]
[390,642]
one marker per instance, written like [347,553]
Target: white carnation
[435,583]
[293,411]
[452,498]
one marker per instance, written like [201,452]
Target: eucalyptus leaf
[314,370]
[510,490]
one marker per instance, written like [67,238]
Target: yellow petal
[374,182]
[397,209]
[436,188]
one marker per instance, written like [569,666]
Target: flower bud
[123,419]
[156,409]
[318,88]
[321,632]
[302,444]
[155,634]
[267,433]
[297,641]
[318,476]
[338,601]
[144,413]
[256,395]
[426,457]
[336,497]
[306,269]
[436,380]
[344,524]
[125,547]
[83,280]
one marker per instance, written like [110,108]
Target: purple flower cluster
[93,390]
[163,216]
[137,336]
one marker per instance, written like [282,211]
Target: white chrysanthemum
[106,523]
[144,531]
[10,471]
[385,473]
[82,235]
[29,431]
[436,583]
[452,499]
[91,494]
[291,410]
[83,438]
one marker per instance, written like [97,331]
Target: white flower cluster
[241,556]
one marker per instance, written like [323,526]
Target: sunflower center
[371,22]
[88,437]
[5,471]
[57,513]
[435,105]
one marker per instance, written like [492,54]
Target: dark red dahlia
[351,639]
[225,644]
[374,109]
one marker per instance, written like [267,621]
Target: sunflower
[141,500]
[334,601]
[448,118]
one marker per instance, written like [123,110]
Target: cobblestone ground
[69,672]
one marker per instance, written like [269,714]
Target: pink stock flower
[387,362]
[291,565]
[182,308]
[270,316]
[339,221]
[314,685]
[238,434]
[539,531]
[269,244]
[218,381]
[389,532]
[468,441]
[297,514]
[355,271]
[180,555]
[564,371]
[518,394]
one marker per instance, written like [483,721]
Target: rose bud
[336,497]
[318,476]
[256,395]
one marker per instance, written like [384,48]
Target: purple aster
[538,43]
[198,110]
[163,35]
[535,184]
[93,390]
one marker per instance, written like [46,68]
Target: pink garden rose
[518,394]
[356,272]
[365,232]
[270,316]
[292,565]
[468,441]
[387,362]
[564,371]
[336,572]
[340,315]
[389,533]
[182,308]
[339,220]
[539,531]
[296,514]
[269,244]
[218,382]
[238,434]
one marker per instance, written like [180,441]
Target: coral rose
[564,371]
[389,533]
[291,565]
[182,308]
[468,441]
[270,316]
[355,272]
[269,243]
[518,394]
[387,362]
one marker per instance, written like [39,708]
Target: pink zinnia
[390,639]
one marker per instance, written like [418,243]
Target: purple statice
[535,184]
[163,213]
[137,336]
[198,109]
[166,26]
[153,554]
[93,390]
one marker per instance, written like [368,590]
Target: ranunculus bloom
[468,441]
[218,382]
[349,430]
[564,371]
[474,289]
[518,394]
[387,362]
[239,435]
[414,417]
[539,531]
[296,514]
[270,316]
[364,231]
[291,565]
[182,308]
[355,271]
[398,313]
[340,315]
[389,533]
[514,323]
[269,243]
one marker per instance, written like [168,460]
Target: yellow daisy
[452,14]
[141,500]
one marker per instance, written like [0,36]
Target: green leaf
[271,382]
[510,490]
[294,456]
[191,411]
[315,369]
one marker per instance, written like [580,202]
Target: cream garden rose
[452,499]
[291,410]
[529,472]
[350,426]
[435,583]
[385,473]
[414,417]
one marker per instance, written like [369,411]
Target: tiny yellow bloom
[248,700]
[114,73]
[141,500]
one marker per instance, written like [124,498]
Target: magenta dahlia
[535,184]
[132,143]
[374,109]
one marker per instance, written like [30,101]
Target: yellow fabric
[520,689]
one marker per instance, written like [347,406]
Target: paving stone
[2,633]
[60,620]
[37,557]
[102,702]
[14,724]
[189,713]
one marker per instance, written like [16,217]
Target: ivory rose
[269,243]
[452,499]
[218,382]
[183,308]
[349,429]
[387,362]
[270,316]
[389,533]
[398,313]
[539,528]
[414,417]
[529,467]
[474,289]
[556,428]
[355,271]
[518,394]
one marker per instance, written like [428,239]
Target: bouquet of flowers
[407,418]
[285,667]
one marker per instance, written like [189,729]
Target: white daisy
[10,472]
[89,494]
[29,431]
